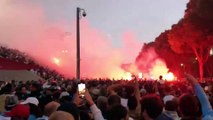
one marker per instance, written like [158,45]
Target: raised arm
[94,109]
[111,89]
[205,104]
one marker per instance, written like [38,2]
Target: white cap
[31,100]
[64,94]
[168,98]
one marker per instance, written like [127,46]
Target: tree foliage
[194,32]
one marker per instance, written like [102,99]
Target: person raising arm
[205,104]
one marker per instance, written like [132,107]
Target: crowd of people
[103,99]
[17,56]
[106,100]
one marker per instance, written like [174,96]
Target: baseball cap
[19,111]
[31,100]
[64,94]
[168,98]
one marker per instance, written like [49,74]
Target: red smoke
[26,28]
[152,66]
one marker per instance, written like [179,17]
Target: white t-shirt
[4,118]
[124,102]
[161,82]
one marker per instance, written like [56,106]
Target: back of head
[114,100]
[188,105]
[35,110]
[70,108]
[160,77]
[132,103]
[65,99]
[171,105]
[84,115]
[152,104]
[103,91]
[117,112]
[35,86]
[61,115]
[10,102]
[50,108]
[7,88]
[102,103]
[129,91]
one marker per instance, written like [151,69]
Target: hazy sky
[146,18]
[112,33]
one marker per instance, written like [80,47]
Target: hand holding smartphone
[81,90]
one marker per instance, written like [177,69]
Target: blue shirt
[32,117]
[205,104]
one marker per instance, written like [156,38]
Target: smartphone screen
[81,89]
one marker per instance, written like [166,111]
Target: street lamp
[80,12]
[183,68]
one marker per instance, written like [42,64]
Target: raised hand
[191,79]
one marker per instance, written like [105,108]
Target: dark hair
[103,91]
[160,77]
[10,102]
[129,91]
[84,115]
[65,99]
[114,100]
[7,89]
[18,118]
[188,105]
[70,108]
[132,103]
[102,103]
[56,96]
[171,105]
[35,110]
[117,112]
[152,104]
[36,85]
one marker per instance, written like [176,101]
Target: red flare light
[56,61]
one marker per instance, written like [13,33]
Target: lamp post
[183,69]
[80,12]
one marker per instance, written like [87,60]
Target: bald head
[50,108]
[61,115]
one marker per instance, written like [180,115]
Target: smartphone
[81,89]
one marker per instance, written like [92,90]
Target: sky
[112,33]
[146,18]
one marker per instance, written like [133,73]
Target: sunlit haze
[112,33]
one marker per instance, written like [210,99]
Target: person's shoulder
[42,118]
[163,117]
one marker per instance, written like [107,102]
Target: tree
[194,33]
[174,61]
[186,37]
[209,67]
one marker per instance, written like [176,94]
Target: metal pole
[78,45]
